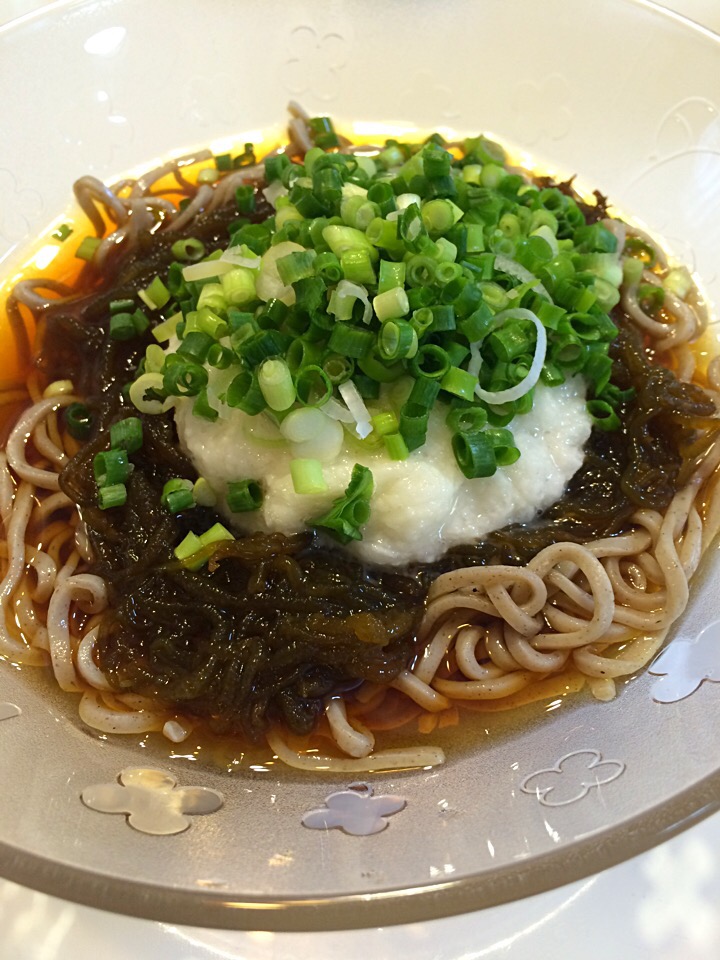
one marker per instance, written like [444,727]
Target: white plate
[126,83]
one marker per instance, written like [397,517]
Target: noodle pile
[494,634]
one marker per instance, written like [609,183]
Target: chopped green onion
[238,287]
[467,419]
[189,249]
[384,234]
[62,232]
[212,295]
[414,424]
[338,368]
[127,434]
[147,393]
[245,198]
[327,267]
[341,239]
[140,322]
[274,166]
[244,393]
[313,386]
[439,215]
[111,467]
[397,340]
[307,476]
[202,407]
[155,295]
[603,415]
[244,496]
[503,444]
[322,132]
[122,327]
[296,266]
[260,346]
[459,382]
[187,549]
[177,495]
[679,282]
[357,266]
[121,306]
[391,275]
[391,305]
[166,330]
[276,383]
[208,175]
[651,297]
[384,423]
[216,534]
[184,379]
[246,158]
[112,495]
[195,345]
[79,421]
[210,323]
[474,454]
[421,270]
[203,493]
[87,248]
[430,361]
[351,511]
[350,341]
[395,446]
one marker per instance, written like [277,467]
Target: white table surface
[663,905]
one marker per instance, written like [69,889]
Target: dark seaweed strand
[276,623]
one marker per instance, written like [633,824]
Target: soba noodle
[493,636]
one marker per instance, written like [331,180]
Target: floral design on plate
[314,62]
[8,711]
[152,800]
[572,778]
[544,107]
[686,664]
[691,124]
[355,811]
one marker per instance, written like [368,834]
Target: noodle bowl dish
[350,472]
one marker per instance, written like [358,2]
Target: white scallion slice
[313,435]
[356,405]
[533,375]
[517,270]
[207,269]
[355,290]
[268,285]
[338,411]
[238,258]
[275,190]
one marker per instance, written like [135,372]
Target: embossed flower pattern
[316,57]
[691,124]
[152,800]
[90,117]
[8,711]
[428,93]
[686,664]
[355,811]
[543,107]
[572,778]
